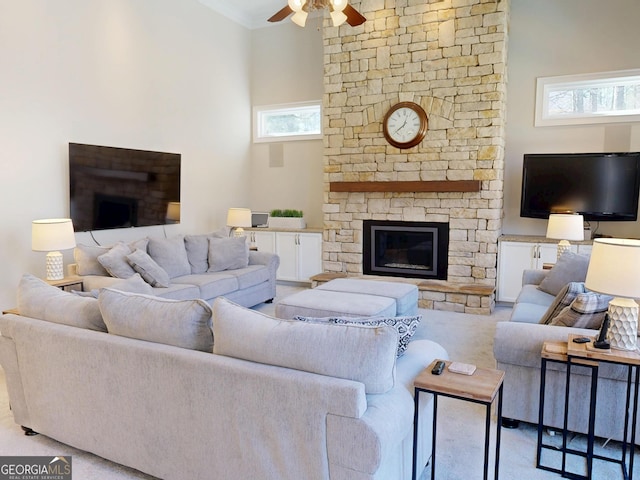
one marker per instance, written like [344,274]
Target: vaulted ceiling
[249,13]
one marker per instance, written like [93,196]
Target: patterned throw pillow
[586,311]
[406,326]
[567,295]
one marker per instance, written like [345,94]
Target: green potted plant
[290,219]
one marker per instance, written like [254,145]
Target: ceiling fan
[340,12]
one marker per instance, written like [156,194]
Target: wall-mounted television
[112,187]
[600,186]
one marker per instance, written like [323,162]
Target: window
[592,98]
[292,121]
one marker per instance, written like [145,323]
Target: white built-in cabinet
[514,257]
[300,252]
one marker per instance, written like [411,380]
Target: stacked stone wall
[450,57]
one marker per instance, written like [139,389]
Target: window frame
[258,111]
[544,86]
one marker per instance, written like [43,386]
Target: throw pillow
[228,253]
[198,249]
[570,267]
[181,323]
[405,325]
[586,311]
[354,352]
[115,261]
[171,255]
[38,299]
[86,259]
[564,298]
[151,272]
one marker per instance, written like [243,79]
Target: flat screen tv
[113,187]
[600,186]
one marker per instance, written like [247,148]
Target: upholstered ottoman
[327,303]
[404,294]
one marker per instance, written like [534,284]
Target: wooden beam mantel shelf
[427,186]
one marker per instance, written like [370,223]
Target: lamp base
[623,326]
[238,232]
[55,267]
[563,246]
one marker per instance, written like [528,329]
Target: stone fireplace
[450,58]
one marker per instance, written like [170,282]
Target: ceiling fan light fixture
[338,18]
[339,6]
[296,5]
[300,18]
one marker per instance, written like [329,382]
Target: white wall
[549,38]
[287,66]
[167,75]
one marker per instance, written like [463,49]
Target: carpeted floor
[467,338]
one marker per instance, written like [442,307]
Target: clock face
[405,125]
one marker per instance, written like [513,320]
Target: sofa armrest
[533,276]
[519,343]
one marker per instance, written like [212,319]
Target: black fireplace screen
[406,249]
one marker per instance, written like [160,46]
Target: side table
[584,354]
[481,387]
[67,282]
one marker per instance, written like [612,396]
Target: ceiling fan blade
[354,17]
[281,15]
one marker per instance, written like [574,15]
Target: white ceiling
[249,13]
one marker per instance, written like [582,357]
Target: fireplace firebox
[406,249]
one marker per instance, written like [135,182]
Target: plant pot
[293,223]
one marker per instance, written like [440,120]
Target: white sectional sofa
[179,389]
[183,267]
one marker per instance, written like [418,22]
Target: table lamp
[173,212]
[613,270]
[237,219]
[565,227]
[51,235]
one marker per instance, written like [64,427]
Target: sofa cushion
[171,254]
[181,323]
[151,272]
[210,285]
[228,253]
[133,284]
[198,250]
[570,267]
[532,294]
[527,312]
[355,352]
[405,325]
[564,298]
[115,261]
[586,311]
[38,299]
[86,258]
[250,276]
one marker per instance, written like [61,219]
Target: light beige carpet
[467,338]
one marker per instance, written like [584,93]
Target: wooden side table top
[558,351]
[482,386]
[587,350]
[66,281]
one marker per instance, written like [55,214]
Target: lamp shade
[565,226]
[614,267]
[239,217]
[173,211]
[52,234]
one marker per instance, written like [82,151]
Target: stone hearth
[449,57]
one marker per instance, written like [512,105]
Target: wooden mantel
[402,187]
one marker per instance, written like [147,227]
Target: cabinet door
[309,255]
[287,250]
[513,259]
[547,253]
[264,241]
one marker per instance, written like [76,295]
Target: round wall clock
[405,125]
